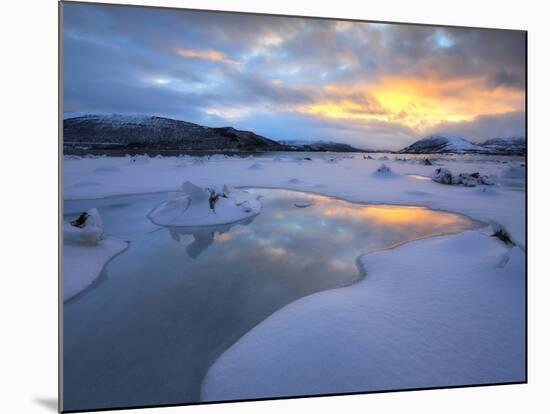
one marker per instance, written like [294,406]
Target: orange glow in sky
[415,102]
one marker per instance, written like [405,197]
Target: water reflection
[162,315]
[204,236]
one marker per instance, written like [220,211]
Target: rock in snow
[444,176]
[87,232]
[384,171]
[85,253]
[199,206]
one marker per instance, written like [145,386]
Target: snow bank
[85,253]
[82,264]
[194,207]
[455,319]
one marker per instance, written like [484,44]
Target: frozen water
[163,311]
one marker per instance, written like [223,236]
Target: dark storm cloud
[483,127]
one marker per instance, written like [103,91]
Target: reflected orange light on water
[392,215]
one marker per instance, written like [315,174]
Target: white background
[28,177]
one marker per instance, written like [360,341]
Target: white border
[29,207]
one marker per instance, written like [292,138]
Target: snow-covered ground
[353,179]
[436,312]
[82,263]
[440,311]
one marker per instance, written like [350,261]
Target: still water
[162,312]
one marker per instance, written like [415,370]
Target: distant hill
[507,145]
[96,131]
[320,146]
[443,143]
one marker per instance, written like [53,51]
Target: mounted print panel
[264,206]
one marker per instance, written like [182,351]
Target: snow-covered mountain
[507,145]
[154,132]
[320,146]
[443,143]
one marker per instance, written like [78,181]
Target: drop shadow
[48,403]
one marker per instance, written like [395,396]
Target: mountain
[320,146]
[98,131]
[443,143]
[508,145]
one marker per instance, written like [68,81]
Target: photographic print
[265,206]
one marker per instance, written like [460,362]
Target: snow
[455,142]
[85,253]
[438,143]
[455,319]
[256,166]
[303,204]
[192,207]
[348,179]
[83,263]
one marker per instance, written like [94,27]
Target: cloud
[483,127]
[207,54]
[291,77]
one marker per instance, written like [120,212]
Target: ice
[457,318]
[194,207]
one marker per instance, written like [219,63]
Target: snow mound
[453,319]
[87,229]
[384,172]
[256,166]
[303,204]
[199,206]
[85,253]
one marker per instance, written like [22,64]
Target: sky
[372,85]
